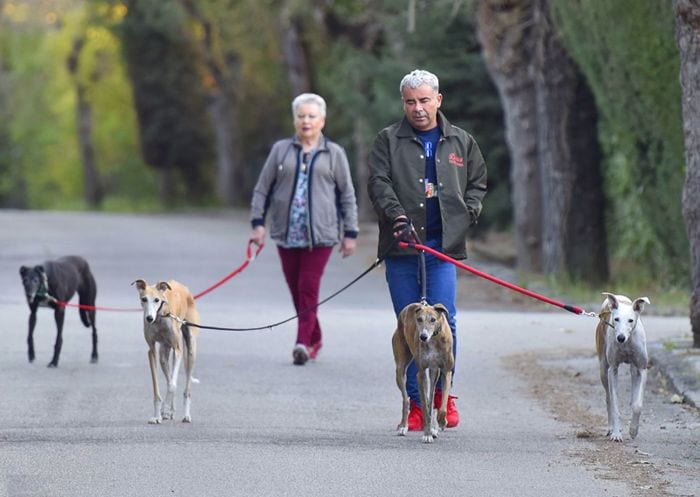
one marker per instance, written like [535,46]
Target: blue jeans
[403,277]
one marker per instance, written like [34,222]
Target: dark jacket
[396,184]
[331,195]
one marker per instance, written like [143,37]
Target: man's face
[420,106]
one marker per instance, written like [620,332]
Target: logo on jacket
[456,160]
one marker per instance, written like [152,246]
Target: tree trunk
[573,231]
[91,178]
[294,55]
[505,32]
[688,36]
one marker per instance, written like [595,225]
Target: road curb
[679,362]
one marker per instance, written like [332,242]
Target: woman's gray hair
[308,98]
[419,77]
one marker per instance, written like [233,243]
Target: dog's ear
[441,309]
[638,304]
[163,286]
[612,298]
[23,270]
[140,284]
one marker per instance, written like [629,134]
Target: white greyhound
[620,338]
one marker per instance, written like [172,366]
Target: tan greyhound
[165,306]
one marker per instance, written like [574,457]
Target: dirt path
[664,459]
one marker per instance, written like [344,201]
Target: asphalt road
[531,411]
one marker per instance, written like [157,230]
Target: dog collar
[43,290]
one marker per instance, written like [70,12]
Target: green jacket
[396,184]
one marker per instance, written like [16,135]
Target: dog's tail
[87,292]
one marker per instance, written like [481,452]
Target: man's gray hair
[309,98]
[419,77]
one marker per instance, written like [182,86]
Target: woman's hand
[258,236]
[347,246]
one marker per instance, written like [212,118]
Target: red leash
[249,257]
[524,291]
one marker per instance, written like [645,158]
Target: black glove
[403,230]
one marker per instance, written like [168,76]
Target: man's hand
[403,229]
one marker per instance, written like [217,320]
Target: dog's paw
[616,436]
[155,421]
[633,431]
[427,439]
[52,365]
[402,430]
[187,419]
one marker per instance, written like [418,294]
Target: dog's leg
[401,367]
[433,375]
[172,384]
[402,357]
[157,418]
[190,343]
[93,357]
[614,412]
[442,413]
[59,315]
[168,407]
[604,380]
[30,335]
[424,384]
[639,379]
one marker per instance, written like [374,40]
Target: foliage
[363,84]
[627,52]
[174,128]
[42,144]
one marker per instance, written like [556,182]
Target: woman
[306,191]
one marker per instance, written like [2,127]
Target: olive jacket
[397,184]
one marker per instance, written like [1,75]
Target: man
[427,178]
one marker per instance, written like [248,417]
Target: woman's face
[309,122]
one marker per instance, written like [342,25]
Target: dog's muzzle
[621,338]
[424,335]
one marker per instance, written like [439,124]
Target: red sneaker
[452,417]
[314,349]
[415,418]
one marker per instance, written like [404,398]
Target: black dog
[57,281]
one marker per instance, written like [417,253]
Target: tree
[573,228]
[551,132]
[84,125]
[508,43]
[687,15]
[627,53]
[165,70]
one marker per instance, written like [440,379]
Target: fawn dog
[620,338]
[165,306]
[52,283]
[423,334]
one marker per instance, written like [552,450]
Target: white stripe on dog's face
[151,301]
[624,320]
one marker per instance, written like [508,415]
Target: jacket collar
[322,142]
[406,130]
